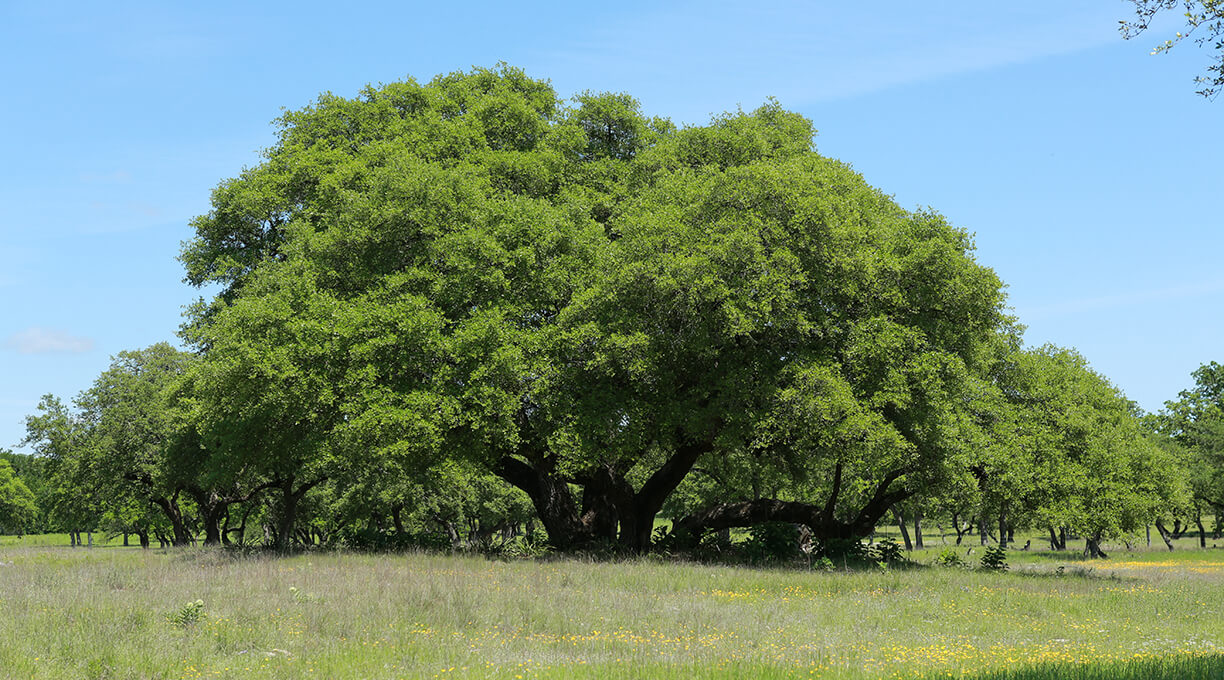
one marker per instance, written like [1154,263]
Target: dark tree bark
[960,535]
[551,496]
[609,502]
[178,524]
[909,545]
[212,523]
[1092,546]
[290,497]
[1164,534]
[214,507]
[654,493]
[397,519]
[918,529]
[1056,541]
[819,519]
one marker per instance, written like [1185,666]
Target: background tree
[60,438]
[1195,422]
[1204,21]
[1088,463]
[129,452]
[32,472]
[17,508]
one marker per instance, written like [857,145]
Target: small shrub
[526,547]
[886,551]
[994,559]
[664,540]
[772,541]
[948,557]
[838,549]
[824,564]
[189,615]
[715,545]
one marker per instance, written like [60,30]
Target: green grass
[62,540]
[1209,667]
[110,613]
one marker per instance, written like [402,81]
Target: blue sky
[1087,168]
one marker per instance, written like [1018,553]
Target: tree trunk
[284,528]
[1092,546]
[909,545]
[1198,519]
[125,539]
[1055,543]
[397,520]
[225,528]
[143,535]
[170,508]
[1002,531]
[1062,538]
[957,528]
[1148,529]
[637,523]
[212,515]
[1164,534]
[551,496]
[918,529]
[290,499]
[982,533]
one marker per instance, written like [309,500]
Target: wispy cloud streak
[1121,300]
[37,340]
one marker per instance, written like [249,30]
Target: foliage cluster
[469,313]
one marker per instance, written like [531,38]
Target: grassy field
[114,612]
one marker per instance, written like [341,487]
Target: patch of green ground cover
[112,613]
[1206,667]
[62,540]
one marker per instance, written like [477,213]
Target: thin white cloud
[116,177]
[804,52]
[1121,300]
[37,340]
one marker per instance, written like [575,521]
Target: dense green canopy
[577,296]
[464,303]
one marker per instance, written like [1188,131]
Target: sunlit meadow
[112,612]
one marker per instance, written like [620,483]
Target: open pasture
[126,613]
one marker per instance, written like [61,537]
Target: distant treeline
[467,311]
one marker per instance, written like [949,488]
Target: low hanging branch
[819,518]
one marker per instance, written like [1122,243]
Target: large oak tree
[586,302]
